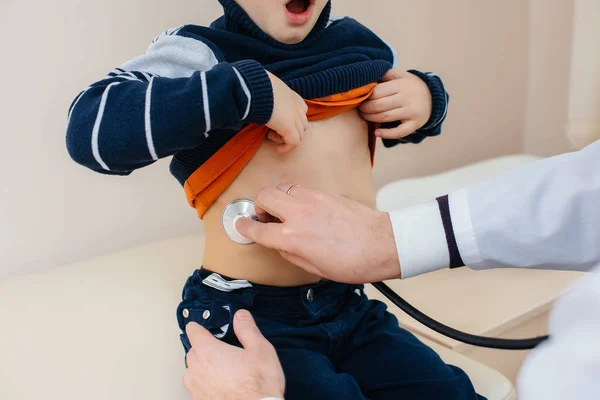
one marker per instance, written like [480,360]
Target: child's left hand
[401,96]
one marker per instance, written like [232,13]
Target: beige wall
[550,37]
[53,212]
[584,100]
[479,49]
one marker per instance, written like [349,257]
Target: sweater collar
[237,21]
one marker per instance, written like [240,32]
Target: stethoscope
[244,208]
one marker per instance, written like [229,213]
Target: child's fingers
[303,105]
[385,89]
[393,74]
[300,129]
[284,148]
[291,139]
[304,120]
[399,132]
[273,136]
[381,105]
[397,114]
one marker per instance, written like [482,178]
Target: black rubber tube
[480,341]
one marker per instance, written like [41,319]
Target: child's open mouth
[297,6]
[299,11]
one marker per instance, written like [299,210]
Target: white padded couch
[407,192]
[106,328]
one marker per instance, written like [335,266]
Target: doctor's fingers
[275,202]
[269,234]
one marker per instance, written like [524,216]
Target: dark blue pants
[332,341]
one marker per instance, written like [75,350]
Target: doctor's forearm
[543,215]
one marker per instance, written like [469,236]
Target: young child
[209,96]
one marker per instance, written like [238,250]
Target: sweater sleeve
[439,110]
[167,100]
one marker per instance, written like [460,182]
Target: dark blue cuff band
[439,99]
[260,87]
[455,258]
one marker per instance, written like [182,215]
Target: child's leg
[289,319]
[310,375]
[389,362]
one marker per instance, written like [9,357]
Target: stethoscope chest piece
[242,208]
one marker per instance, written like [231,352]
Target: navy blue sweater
[196,87]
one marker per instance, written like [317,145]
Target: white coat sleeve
[543,215]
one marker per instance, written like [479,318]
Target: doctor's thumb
[247,332]
[248,227]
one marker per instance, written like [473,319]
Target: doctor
[543,215]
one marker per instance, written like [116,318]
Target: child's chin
[292,37]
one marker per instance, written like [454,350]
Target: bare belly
[333,156]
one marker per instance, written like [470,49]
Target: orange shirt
[213,177]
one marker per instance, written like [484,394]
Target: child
[209,97]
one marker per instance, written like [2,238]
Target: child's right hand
[288,120]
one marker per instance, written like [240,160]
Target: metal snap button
[357,291]
[186,313]
[206,314]
[310,295]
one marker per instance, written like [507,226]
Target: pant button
[206,314]
[310,295]
[185,313]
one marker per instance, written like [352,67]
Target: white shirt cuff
[463,228]
[420,239]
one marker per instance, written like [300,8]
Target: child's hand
[401,96]
[289,120]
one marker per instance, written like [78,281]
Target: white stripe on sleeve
[146,75]
[246,92]
[96,130]
[148,121]
[205,102]
[122,76]
[75,104]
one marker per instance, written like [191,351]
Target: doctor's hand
[217,370]
[325,234]
[401,96]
